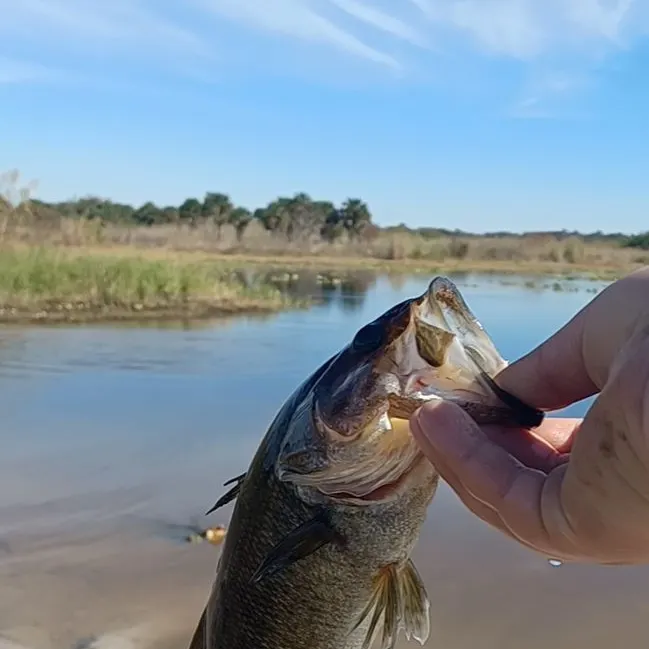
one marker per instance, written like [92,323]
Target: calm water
[116,440]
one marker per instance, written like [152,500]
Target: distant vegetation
[640,241]
[300,227]
[46,284]
[294,218]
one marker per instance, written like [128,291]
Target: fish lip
[443,308]
[405,404]
[507,410]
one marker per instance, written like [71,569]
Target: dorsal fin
[230,495]
[399,601]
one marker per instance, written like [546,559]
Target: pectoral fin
[300,543]
[230,495]
[399,601]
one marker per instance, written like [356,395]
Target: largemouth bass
[317,554]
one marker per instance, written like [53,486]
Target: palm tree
[275,215]
[240,218]
[148,214]
[190,211]
[217,208]
[356,217]
[299,220]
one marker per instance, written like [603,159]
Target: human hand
[576,490]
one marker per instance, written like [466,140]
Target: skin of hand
[572,489]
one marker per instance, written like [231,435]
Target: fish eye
[369,338]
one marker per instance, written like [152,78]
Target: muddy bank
[86,314]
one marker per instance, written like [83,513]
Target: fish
[325,519]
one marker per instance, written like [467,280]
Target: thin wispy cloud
[18,71]
[543,93]
[117,28]
[601,18]
[525,29]
[296,19]
[392,35]
[382,21]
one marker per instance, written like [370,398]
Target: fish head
[349,440]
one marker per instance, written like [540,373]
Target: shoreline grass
[294,233]
[412,266]
[293,261]
[101,283]
[52,285]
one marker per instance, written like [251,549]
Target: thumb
[463,453]
[490,481]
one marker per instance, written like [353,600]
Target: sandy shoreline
[120,588]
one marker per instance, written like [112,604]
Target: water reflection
[116,439]
[348,289]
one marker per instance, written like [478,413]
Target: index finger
[554,374]
[575,362]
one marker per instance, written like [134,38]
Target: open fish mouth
[430,347]
[445,353]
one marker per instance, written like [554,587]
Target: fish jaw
[350,441]
[376,474]
[445,354]
[384,490]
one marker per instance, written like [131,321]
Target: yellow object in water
[214,535]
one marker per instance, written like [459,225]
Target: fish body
[317,554]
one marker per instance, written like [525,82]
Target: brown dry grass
[402,251]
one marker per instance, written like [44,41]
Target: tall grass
[536,252]
[46,283]
[543,251]
[144,286]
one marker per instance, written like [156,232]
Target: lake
[115,440]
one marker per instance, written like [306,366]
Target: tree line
[296,217]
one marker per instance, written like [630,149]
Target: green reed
[47,279]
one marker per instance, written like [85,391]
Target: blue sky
[477,114]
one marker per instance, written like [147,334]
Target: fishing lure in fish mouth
[329,511]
